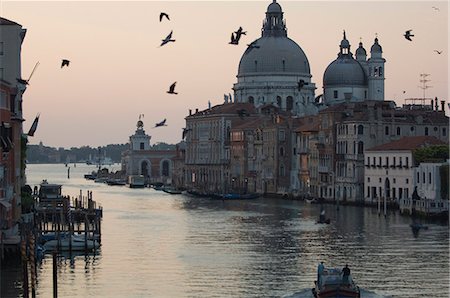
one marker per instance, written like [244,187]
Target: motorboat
[332,284]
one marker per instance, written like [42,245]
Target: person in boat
[320,269]
[345,275]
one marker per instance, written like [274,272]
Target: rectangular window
[429,177]
[407,181]
[3,100]
[444,131]
[368,191]
[406,193]
[282,136]
[394,161]
[387,161]
[407,162]
[1,73]
[335,94]
[368,161]
[418,177]
[400,193]
[142,146]
[1,48]
[423,177]
[379,161]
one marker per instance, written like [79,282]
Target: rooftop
[408,143]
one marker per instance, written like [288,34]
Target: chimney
[196,111]
[436,107]
[443,105]
[190,112]
[432,104]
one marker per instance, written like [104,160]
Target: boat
[237,196]
[331,284]
[311,201]
[78,243]
[136,181]
[116,181]
[171,190]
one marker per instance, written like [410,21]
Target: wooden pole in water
[86,227]
[378,201]
[24,265]
[68,173]
[385,206]
[55,276]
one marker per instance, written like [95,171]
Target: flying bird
[64,62]
[167,39]
[408,35]
[162,15]
[435,8]
[172,89]
[34,126]
[439,52]
[185,131]
[234,39]
[162,123]
[239,32]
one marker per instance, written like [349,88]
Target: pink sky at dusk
[118,70]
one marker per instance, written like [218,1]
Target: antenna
[424,86]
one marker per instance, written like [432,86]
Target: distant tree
[436,153]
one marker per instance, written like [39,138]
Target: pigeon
[185,131]
[64,62]
[162,123]
[439,52]
[234,40]
[172,89]
[163,14]
[408,35]
[239,32]
[167,39]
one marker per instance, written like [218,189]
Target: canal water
[160,245]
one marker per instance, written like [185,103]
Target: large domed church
[275,70]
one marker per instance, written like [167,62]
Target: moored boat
[171,190]
[332,283]
[78,243]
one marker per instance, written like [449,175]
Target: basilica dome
[344,71]
[274,53]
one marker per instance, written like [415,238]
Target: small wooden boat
[171,190]
[333,284]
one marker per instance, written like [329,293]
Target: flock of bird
[408,33]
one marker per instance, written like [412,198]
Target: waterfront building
[142,159]
[392,173]
[12,147]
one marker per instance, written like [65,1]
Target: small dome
[274,7]
[361,50]
[344,71]
[345,44]
[274,55]
[376,48]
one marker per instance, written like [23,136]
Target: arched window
[279,101]
[289,103]
[386,130]
[398,130]
[281,151]
[360,129]
[251,99]
[145,169]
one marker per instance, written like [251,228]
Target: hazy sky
[118,70]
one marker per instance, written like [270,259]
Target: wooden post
[385,206]
[68,173]
[86,227]
[378,202]
[55,276]
[24,265]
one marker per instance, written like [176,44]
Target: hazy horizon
[118,71]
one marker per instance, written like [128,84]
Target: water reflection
[159,245]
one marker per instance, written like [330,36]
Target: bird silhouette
[163,14]
[239,32]
[435,8]
[408,35]
[64,62]
[172,89]
[439,52]
[185,131]
[234,40]
[162,123]
[167,39]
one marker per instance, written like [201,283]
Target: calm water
[160,245]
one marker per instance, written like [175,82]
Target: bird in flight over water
[408,35]
[172,89]
[162,123]
[167,39]
[64,62]
[163,14]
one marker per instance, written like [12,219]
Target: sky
[118,71]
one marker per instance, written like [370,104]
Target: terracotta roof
[4,21]
[408,143]
[249,124]
[312,125]
[227,108]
